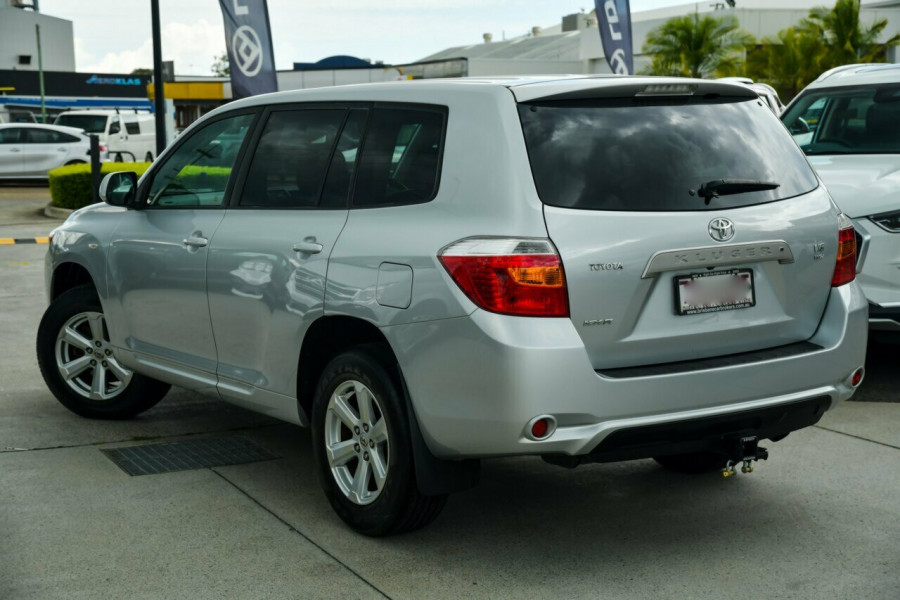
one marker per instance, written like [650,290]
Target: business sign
[614,21]
[71,84]
[249,42]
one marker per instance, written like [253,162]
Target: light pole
[158,100]
[37,34]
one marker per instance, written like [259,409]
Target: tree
[141,71]
[695,46]
[789,61]
[220,66]
[848,41]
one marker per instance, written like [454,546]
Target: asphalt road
[819,519]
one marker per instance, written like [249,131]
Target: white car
[129,136]
[848,124]
[30,150]
[765,92]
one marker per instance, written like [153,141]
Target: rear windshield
[654,155]
[847,120]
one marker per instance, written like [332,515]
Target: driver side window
[197,173]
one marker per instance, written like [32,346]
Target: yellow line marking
[7,241]
[42,240]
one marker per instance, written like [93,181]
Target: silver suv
[431,273]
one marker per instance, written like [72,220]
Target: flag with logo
[249,42]
[614,21]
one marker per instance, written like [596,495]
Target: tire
[118,157]
[148,157]
[75,162]
[73,337]
[371,505]
[694,463]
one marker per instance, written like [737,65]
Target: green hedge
[70,187]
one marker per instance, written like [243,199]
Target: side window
[42,136]
[400,158]
[196,174]
[292,158]
[132,127]
[343,162]
[11,135]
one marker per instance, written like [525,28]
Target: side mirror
[115,128]
[119,189]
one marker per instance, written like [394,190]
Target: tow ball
[744,451]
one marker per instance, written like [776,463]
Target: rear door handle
[15,149]
[308,247]
[196,242]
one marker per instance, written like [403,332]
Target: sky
[113,36]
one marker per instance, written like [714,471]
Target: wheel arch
[69,275]
[330,336]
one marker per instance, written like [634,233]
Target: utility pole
[37,34]
[159,101]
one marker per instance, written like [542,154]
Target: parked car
[766,92]
[30,150]
[848,123]
[129,136]
[432,273]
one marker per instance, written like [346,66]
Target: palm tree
[789,61]
[848,41]
[695,46]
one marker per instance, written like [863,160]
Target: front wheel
[361,442]
[78,364]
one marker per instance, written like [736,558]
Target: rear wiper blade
[725,187]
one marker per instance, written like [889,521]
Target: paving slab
[875,421]
[812,522]
[75,526]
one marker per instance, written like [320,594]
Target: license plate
[714,291]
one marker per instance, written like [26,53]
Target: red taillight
[510,276]
[845,267]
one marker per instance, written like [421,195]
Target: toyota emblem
[721,229]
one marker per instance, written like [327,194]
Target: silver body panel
[229,318]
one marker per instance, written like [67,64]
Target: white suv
[848,124]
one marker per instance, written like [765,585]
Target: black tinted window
[639,155]
[44,136]
[11,135]
[400,157]
[291,159]
[847,120]
[132,127]
[197,172]
[343,162]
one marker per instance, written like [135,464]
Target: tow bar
[745,451]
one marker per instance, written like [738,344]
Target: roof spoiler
[626,87]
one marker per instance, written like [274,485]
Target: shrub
[70,187]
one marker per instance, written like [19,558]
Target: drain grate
[152,459]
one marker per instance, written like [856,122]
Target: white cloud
[191,45]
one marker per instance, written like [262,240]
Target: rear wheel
[361,442]
[694,463]
[148,157]
[78,364]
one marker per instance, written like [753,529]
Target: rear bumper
[475,382]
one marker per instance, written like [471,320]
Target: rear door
[269,258]
[11,151]
[44,149]
[662,263]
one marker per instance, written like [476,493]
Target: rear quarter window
[654,154]
[401,157]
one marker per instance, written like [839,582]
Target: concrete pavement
[819,519]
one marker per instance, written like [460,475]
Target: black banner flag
[249,42]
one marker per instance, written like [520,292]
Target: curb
[55,212]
